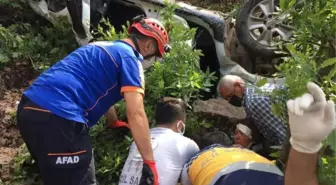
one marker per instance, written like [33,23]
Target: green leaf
[331,74]
[261,82]
[128,138]
[276,109]
[331,140]
[291,4]
[275,154]
[207,125]
[324,160]
[54,50]
[15,55]
[283,4]
[328,62]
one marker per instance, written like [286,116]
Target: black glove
[149,174]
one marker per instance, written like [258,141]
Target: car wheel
[260,27]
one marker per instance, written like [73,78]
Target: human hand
[118,124]
[311,119]
[149,174]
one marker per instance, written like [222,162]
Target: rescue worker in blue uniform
[57,110]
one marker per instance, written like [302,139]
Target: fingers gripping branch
[311,119]
[329,113]
[316,92]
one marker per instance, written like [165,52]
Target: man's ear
[237,84]
[221,91]
[148,46]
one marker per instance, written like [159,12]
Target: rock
[219,114]
[219,109]
[7,155]
[3,141]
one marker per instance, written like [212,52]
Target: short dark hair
[215,137]
[169,110]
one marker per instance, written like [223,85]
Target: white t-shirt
[171,151]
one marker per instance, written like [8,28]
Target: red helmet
[152,28]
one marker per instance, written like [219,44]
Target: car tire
[243,32]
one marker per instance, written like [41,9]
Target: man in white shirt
[171,149]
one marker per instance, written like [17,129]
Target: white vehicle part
[86,15]
[85,22]
[41,8]
[228,66]
[153,11]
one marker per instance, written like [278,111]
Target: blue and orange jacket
[85,84]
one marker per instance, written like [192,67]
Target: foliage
[108,32]
[311,58]
[25,169]
[110,151]
[231,6]
[14,4]
[42,46]
[178,75]
[327,170]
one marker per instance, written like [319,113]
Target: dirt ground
[13,80]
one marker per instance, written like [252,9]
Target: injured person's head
[242,136]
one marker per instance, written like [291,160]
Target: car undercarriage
[217,35]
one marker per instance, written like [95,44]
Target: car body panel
[213,22]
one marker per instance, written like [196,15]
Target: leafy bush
[42,46]
[177,75]
[311,58]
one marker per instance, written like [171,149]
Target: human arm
[112,119]
[259,108]
[311,120]
[301,168]
[138,122]
[132,88]
[111,115]
[187,151]
[185,180]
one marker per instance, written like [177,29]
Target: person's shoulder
[118,46]
[205,149]
[256,97]
[187,141]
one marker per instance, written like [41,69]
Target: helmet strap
[135,41]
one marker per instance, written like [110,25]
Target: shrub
[42,46]
[177,75]
[311,58]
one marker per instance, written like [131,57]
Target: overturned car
[227,49]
